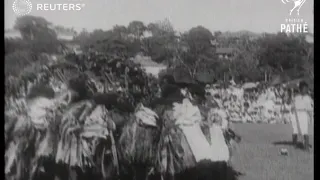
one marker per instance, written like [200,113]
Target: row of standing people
[296,108]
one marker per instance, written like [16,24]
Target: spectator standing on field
[302,115]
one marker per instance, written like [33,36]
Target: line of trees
[189,53]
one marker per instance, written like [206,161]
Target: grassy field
[258,155]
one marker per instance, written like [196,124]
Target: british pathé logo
[294,23]
[22,7]
[297,5]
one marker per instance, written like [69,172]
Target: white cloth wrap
[219,117]
[300,118]
[188,118]
[96,125]
[146,116]
[219,146]
[38,110]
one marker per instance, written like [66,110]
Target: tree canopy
[38,33]
[257,56]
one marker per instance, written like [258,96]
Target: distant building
[214,43]
[147,34]
[225,53]
[74,47]
[68,38]
[65,36]
[148,65]
[12,33]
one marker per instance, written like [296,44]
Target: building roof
[11,33]
[145,61]
[65,37]
[214,42]
[225,50]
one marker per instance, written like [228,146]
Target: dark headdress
[303,84]
[41,91]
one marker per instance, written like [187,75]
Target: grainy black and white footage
[159,90]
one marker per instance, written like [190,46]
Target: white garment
[146,116]
[38,109]
[199,145]
[219,117]
[303,102]
[97,115]
[96,123]
[287,113]
[186,113]
[218,144]
[268,109]
[238,92]
[300,117]
[188,118]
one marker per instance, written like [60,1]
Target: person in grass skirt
[302,115]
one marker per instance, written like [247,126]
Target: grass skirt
[138,147]
[176,153]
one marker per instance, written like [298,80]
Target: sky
[223,15]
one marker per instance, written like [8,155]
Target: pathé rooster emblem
[297,4]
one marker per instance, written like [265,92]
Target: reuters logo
[22,7]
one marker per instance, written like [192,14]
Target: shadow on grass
[207,170]
[299,145]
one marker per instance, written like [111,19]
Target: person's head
[197,93]
[170,93]
[216,96]
[207,95]
[246,105]
[41,91]
[214,117]
[303,88]
[234,97]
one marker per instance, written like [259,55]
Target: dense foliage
[256,57]
[190,54]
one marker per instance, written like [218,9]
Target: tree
[282,53]
[12,45]
[99,35]
[136,28]
[38,32]
[198,39]
[200,50]
[161,28]
[82,38]
[162,45]
[217,33]
[34,28]
[120,31]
